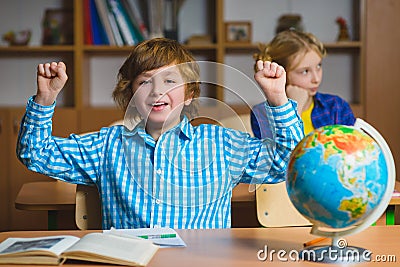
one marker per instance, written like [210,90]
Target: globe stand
[337,252]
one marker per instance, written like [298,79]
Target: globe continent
[337,175]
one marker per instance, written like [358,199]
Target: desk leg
[52,220]
[390,215]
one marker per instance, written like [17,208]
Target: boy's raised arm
[51,78]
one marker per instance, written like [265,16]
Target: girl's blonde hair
[286,46]
[153,54]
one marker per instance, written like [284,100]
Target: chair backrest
[87,207]
[240,122]
[274,208]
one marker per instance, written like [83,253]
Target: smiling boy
[164,172]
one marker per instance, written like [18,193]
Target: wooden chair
[274,208]
[240,122]
[87,207]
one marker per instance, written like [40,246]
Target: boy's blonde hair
[286,46]
[153,54]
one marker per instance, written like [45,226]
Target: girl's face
[308,73]
[159,96]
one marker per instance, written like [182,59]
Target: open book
[95,247]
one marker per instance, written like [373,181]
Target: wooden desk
[51,196]
[239,246]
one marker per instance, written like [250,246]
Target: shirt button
[159,171]
[158,201]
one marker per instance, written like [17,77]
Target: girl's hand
[300,95]
[51,78]
[272,79]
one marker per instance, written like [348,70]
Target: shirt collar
[318,99]
[184,127]
[187,128]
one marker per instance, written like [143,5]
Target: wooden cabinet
[382,70]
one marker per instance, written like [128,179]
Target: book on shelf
[135,12]
[129,33]
[104,14]
[93,247]
[114,26]
[99,36]
[87,22]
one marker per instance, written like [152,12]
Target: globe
[340,178]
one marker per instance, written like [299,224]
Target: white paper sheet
[163,237]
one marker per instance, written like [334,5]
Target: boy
[164,172]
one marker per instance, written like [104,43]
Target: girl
[301,55]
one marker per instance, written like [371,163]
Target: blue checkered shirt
[182,180]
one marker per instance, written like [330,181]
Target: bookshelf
[239,55]
[92,68]
[86,104]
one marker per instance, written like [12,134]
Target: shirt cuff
[38,114]
[285,115]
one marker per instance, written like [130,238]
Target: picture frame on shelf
[238,32]
[57,27]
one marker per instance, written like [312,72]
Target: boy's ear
[188,101]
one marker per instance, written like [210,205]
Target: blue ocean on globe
[337,175]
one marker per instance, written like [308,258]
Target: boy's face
[308,73]
[159,97]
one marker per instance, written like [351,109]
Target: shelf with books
[106,48]
[101,62]
[117,49]
[112,22]
[217,50]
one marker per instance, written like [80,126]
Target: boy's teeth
[158,104]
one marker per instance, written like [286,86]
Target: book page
[46,245]
[99,247]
